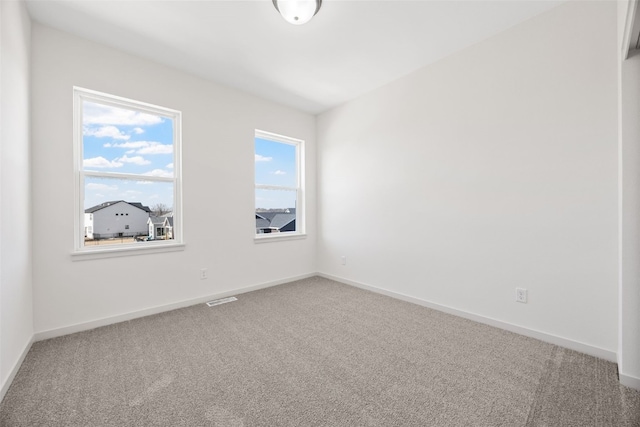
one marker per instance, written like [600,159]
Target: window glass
[278,189]
[128,170]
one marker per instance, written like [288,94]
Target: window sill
[88,254]
[278,237]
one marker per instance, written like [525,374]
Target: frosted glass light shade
[297,12]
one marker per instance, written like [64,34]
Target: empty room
[319,213]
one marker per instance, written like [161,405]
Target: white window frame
[299,189]
[81,251]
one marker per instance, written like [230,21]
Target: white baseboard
[14,370]
[542,336]
[85,326]
[629,381]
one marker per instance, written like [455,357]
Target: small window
[127,157]
[279,190]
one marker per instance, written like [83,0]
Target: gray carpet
[312,353]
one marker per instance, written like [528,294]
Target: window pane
[124,210]
[275,211]
[129,190]
[275,163]
[126,141]
[148,193]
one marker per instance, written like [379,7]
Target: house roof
[140,205]
[161,220]
[269,215]
[101,206]
[262,222]
[266,215]
[282,219]
[113,202]
[156,220]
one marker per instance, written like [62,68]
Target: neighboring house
[160,227]
[116,219]
[276,222]
[168,226]
[262,222]
[284,222]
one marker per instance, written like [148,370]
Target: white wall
[16,315]
[630,289]
[218,193]
[629,335]
[491,169]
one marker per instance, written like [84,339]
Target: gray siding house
[116,219]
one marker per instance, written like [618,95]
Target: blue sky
[126,141]
[275,165]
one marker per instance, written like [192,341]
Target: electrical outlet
[203,273]
[343,259]
[521,295]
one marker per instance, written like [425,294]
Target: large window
[279,186]
[127,156]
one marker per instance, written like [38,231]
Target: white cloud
[156,149]
[144,182]
[138,131]
[98,114]
[105,132]
[101,163]
[279,172]
[100,187]
[134,144]
[145,147]
[170,166]
[136,160]
[160,173]
[260,158]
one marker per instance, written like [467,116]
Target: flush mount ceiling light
[297,12]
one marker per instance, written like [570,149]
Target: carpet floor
[312,353]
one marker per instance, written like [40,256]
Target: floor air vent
[221,301]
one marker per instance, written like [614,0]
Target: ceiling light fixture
[297,12]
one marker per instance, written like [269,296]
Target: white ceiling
[348,48]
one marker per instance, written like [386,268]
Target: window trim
[300,189]
[92,252]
